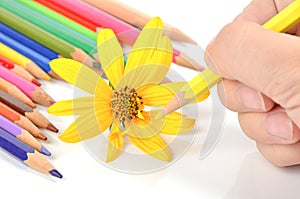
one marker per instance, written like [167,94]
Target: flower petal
[161,94]
[154,146]
[151,48]
[115,144]
[76,106]
[174,123]
[143,75]
[110,55]
[76,73]
[86,126]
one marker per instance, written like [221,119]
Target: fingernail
[207,57]
[251,98]
[279,125]
[209,62]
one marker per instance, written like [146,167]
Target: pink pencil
[126,32]
[34,92]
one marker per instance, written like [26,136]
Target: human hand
[261,70]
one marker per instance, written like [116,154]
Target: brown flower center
[126,105]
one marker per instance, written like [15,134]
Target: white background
[233,170]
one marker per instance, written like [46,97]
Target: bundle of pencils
[34,32]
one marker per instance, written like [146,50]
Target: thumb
[262,59]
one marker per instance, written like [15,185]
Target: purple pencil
[22,135]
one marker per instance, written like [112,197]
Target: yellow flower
[123,105]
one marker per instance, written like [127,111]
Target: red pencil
[18,70]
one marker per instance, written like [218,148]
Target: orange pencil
[21,121]
[14,91]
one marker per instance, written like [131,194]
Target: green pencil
[43,37]
[60,18]
[14,7]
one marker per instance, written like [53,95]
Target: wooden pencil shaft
[19,133]
[136,17]
[31,90]
[43,37]
[20,120]
[15,147]
[14,103]
[60,18]
[24,153]
[14,91]
[125,32]
[33,115]
[50,25]
[36,57]
[28,42]
[9,113]
[88,24]
[22,84]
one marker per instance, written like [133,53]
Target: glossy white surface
[233,170]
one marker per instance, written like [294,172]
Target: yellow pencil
[281,22]
[23,61]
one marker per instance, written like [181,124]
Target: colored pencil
[282,22]
[21,121]
[22,135]
[32,91]
[46,39]
[60,18]
[23,61]
[136,18]
[86,23]
[28,42]
[26,154]
[50,26]
[33,115]
[33,55]
[15,91]
[18,70]
[125,32]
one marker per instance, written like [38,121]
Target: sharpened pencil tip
[45,151]
[55,173]
[47,77]
[51,127]
[41,136]
[31,104]
[36,82]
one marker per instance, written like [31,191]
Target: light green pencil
[281,22]
[60,18]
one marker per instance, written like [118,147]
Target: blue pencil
[36,57]
[28,42]
[26,154]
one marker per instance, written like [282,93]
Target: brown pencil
[21,121]
[14,91]
[33,115]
